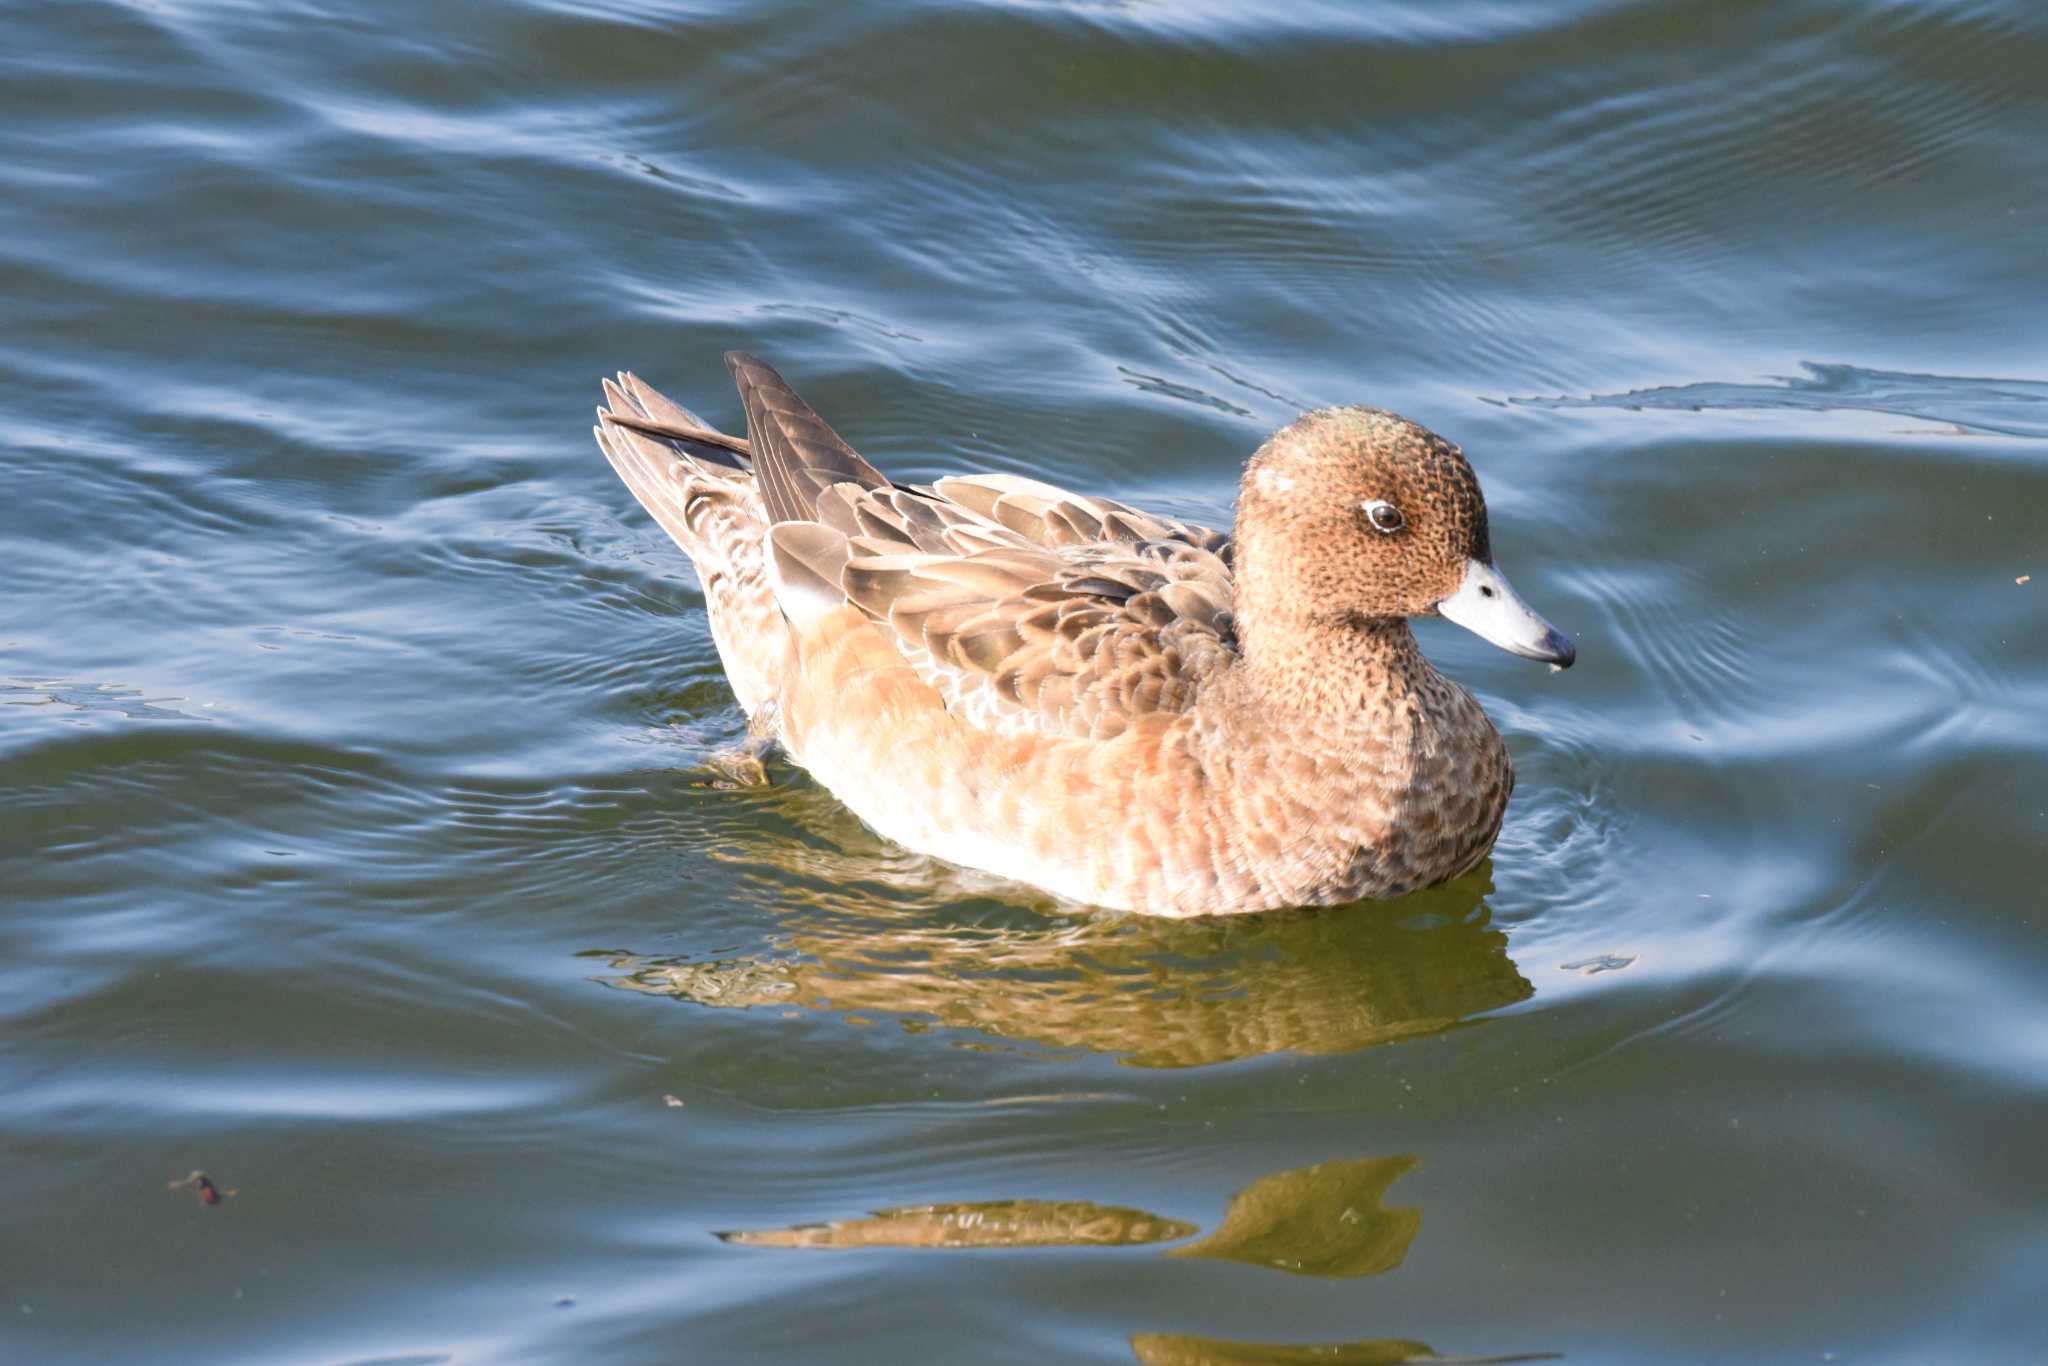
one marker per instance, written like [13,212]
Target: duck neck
[1328,676]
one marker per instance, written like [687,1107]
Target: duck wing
[1029,607]
[1079,640]
[796,456]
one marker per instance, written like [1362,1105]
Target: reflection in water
[1159,993]
[1172,1349]
[990,1223]
[1324,1220]
[869,929]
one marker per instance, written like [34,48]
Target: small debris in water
[2023,580]
[209,1194]
[671,1102]
[1606,962]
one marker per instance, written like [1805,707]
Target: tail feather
[652,402]
[707,500]
[658,478]
[641,407]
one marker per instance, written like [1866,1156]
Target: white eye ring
[1384,516]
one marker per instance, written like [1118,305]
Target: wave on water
[2007,407]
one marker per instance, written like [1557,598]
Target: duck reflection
[863,928]
[1156,993]
[1328,1219]
[987,1223]
[867,929]
[1173,1349]
[1324,1220]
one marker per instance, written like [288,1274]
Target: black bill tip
[1557,649]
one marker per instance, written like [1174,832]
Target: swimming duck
[1119,708]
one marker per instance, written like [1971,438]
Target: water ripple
[2008,407]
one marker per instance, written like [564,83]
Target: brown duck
[1119,708]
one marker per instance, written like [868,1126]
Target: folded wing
[1028,607]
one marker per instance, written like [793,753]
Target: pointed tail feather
[703,495]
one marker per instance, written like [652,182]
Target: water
[362,847]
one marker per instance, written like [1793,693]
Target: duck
[1118,708]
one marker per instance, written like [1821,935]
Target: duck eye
[1384,516]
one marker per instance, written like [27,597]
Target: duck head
[1354,517]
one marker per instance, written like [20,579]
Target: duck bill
[1489,608]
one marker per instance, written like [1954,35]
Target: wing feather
[1025,615]
[1029,608]
[796,456]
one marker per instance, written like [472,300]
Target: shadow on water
[2008,407]
[869,930]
